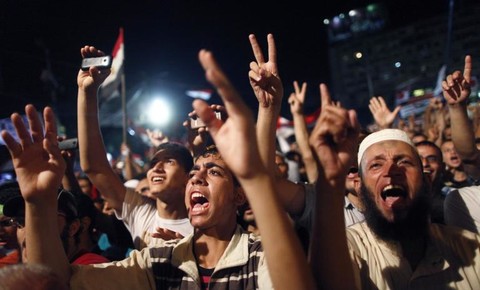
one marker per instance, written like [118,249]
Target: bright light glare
[358,55]
[158,112]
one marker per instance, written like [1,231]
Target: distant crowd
[394,206]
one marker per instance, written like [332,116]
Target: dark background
[162,39]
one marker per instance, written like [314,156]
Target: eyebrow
[395,157]
[208,165]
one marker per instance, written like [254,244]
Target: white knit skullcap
[380,136]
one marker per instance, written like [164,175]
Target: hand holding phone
[68,144]
[100,62]
[196,122]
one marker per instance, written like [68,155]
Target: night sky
[162,39]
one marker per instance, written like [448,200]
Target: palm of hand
[241,156]
[268,89]
[458,93]
[384,116]
[36,171]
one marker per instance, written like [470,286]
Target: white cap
[380,136]
[131,183]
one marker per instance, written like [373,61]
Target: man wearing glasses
[68,223]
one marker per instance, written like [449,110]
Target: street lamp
[158,112]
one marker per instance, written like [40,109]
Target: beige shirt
[172,265]
[452,260]
[462,208]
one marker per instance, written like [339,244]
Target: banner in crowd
[111,86]
[286,133]
[204,94]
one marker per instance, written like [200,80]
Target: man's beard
[413,225]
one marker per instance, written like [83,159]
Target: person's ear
[74,227]
[239,196]
[357,184]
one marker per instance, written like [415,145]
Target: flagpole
[124,94]
[124,108]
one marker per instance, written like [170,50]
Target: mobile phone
[196,122]
[68,144]
[100,62]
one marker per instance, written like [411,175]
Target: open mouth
[158,179]
[199,202]
[393,191]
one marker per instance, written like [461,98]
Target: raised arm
[255,180]
[268,88]
[69,180]
[334,139]
[93,156]
[296,101]
[39,167]
[456,90]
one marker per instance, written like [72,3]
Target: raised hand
[91,79]
[457,86]
[236,141]
[297,98]
[264,76]
[38,161]
[198,138]
[382,115]
[239,126]
[334,139]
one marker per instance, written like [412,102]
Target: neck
[459,175]
[252,228]
[172,211]
[210,245]
[355,200]
[414,250]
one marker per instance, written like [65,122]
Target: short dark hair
[212,150]
[432,145]
[179,152]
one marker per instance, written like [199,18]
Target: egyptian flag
[111,86]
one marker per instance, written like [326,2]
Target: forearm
[92,150]
[463,136]
[132,169]
[301,136]
[275,226]
[328,255]
[93,156]
[70,182]
[43,239]
[266,136]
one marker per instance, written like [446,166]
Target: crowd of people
[396,206]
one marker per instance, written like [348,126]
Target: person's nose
[158,167]
[392,169]
[198,177]
[425,162]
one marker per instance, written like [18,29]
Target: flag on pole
[440,77]
[111,86]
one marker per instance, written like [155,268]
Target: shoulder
[456,244]
[452,233]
